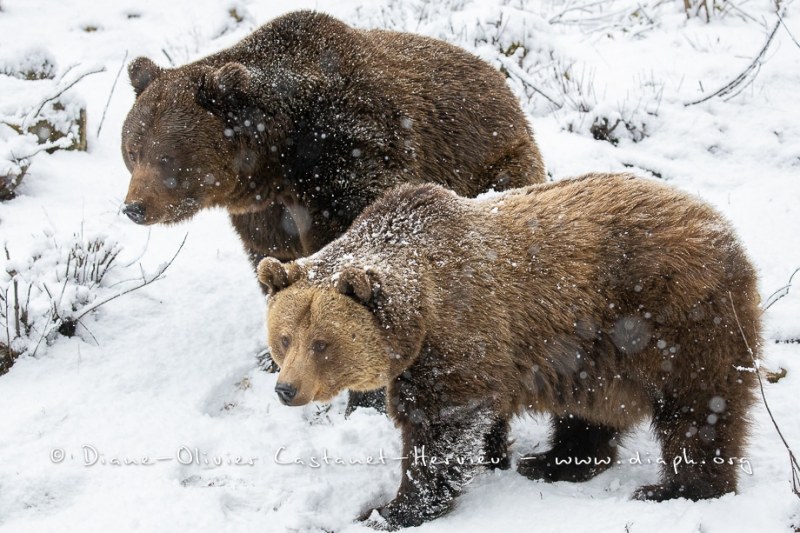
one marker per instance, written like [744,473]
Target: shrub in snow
[238,14]
[39,113]
[43,294]
[527,47]
[47,292]
[34,64]
[708,8]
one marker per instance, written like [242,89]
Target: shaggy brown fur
[603,300]
[300,126]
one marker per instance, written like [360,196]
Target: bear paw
[549,467]
[401,513]
[374,520]
[668,491]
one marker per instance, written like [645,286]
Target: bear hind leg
[580,451]
[496,445]
[701,446]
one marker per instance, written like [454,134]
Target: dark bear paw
[656,493]
[549,467]
[670,491]
[399,514]
[374,520]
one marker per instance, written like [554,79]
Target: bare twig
[97,342]
[34,114]
[785,27]
[744,14]
[15,283]
[169,58]
[144,249]
[113,86]
[66,71]
[45,331]
[8,328]
[523,77]
[581,7]
[744,75]
[143,283]
[795,467]
[780,293]
[49,145]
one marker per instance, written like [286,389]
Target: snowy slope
[168,372]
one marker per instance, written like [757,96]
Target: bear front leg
[375,399]
[439,458]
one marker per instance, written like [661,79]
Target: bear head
[178,142]
[330,336]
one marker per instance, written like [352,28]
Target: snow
[171,368]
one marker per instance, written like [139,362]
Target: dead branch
[96,342]
[15,284]
[744,14]
[795,467]
[581,7]
[169,58]
[780,293]
[45,331]
[523,78]
[34,114]
[744,75]
[113,86]
[144,249]
[49,145]
[785,27]
[7,319]
[142,284]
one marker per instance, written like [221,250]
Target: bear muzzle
[135,211]
[286,393]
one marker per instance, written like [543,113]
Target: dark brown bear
[602,300]
[301,125]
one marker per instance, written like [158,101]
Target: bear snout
[286,392]
[135,211]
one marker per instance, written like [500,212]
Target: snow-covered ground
[169,371]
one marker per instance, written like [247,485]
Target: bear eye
[165,160]
[319,346]
[131,155]
[285,341]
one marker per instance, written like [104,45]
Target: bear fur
[602,300]
[305,122]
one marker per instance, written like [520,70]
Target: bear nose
[285,392]
[135,212]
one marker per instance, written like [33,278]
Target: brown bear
[602,300]
[302,124]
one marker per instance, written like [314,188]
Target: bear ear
[223,86]
[277,276]
[142,71]
[356,282]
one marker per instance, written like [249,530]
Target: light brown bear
[603,300]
